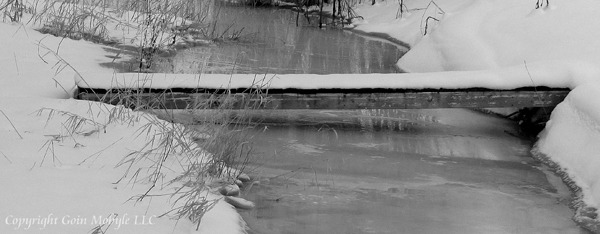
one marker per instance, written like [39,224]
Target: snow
[499,44]
[476,43]
[476,35]
[58,175]
[572,138]
[560,74]
[559,44]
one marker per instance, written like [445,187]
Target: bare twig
[401,9]
[437,8]
[427,23]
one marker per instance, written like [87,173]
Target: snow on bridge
[472,89]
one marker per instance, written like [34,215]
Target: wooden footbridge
[355,91]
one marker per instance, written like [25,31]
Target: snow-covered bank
[58,155]
[488,35]
[475,35]
[572,135]
[571,144]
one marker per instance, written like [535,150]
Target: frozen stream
[271,42]
[396,171]
[374,171]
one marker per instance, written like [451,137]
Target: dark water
[374,171]
[270,42]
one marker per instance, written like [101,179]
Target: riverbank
[486,35]
[63,162]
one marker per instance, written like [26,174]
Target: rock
[244,177]
[230,190]
[240,203]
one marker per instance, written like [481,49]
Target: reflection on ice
[444,171]
[271,43]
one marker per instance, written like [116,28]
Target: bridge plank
[398,99]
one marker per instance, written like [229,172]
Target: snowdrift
[489,35]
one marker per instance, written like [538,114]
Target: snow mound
[558,43]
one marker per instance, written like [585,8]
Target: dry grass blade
[50,149]
[11,123]
[73,123]
[6,157]
[97,154]
[167,143]
[102,229]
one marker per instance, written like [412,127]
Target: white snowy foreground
[492,35]
[58,155]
